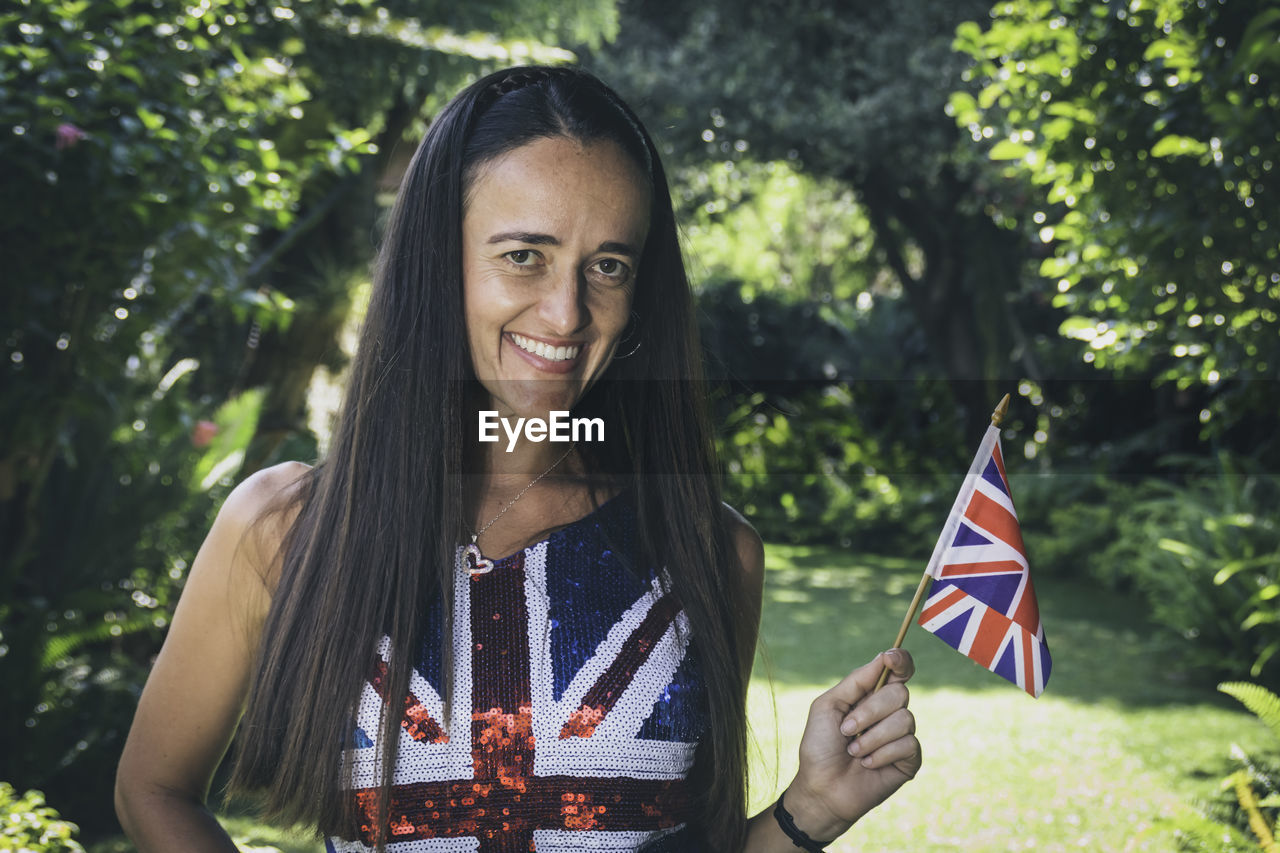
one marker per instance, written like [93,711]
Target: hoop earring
[634,325]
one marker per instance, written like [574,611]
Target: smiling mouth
[544,350]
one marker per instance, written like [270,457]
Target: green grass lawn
[1120,740]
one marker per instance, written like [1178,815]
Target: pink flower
[68,135]
[203,433]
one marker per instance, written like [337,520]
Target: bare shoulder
[243,543]
[259,512]
[747,544]
[263,490]
[236,569]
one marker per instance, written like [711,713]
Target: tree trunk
[968,269]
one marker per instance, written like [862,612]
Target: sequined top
[576,712]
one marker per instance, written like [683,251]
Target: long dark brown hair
[378,521]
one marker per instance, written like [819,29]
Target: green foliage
[1206,555]
[774,229]
[822,364]
[177,232]
[1203,550]
[1260,701]
[844,88]
[1197,833]
[1067,517]
[852,95]
[27,824]
[1240,820]
[1151,133]
[815,445]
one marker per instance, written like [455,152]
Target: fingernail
[855,748]
[848,728]
[866,762]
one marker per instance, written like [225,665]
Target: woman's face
[551,239]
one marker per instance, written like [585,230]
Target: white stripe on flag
[997,551]
[1019,662]
[996,494]
[962,500]
[1038,660]
[951,612]
[971,629]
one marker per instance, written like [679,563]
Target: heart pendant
[477,564]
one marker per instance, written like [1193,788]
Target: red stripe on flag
[417,721]
[990,633]
[991,568]
[989,515]
[605,693]
[934,609]
[1027,613]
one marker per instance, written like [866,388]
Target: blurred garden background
[894,212]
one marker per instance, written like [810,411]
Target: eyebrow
[535,239]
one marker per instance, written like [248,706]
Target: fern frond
[1264,704]
[1249,805]
[63,645]
[1194,831]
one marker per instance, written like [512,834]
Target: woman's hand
[842,777]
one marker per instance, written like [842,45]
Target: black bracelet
[797,835]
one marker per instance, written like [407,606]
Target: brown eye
[521,257]
[612,268]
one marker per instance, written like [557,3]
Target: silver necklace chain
[503,511]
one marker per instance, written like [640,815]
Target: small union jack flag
[982,603]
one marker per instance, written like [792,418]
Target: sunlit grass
[1120,740]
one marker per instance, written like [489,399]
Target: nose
[563,305]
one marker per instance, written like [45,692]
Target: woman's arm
[196,690]
[840,777]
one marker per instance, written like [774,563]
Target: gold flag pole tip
[997,417]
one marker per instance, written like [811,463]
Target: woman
[585,691]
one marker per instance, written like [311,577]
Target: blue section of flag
[676,715]
[361,739]
[995,591]
[582,609]
[431,653]
[966,535]
[953,632]
[992,476]
[1007,666]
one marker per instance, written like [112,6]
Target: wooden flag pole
[997,418]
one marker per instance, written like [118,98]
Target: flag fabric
[982,603]
[575,716]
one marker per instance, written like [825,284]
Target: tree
[1152,131]
[854,92]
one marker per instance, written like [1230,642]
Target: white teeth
[546,351]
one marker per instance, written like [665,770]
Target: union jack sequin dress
[576,713]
